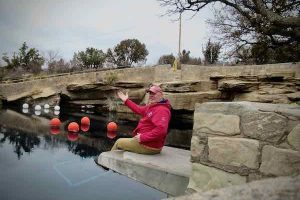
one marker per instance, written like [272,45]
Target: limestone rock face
[279,162]
[77,87]
[191,86]
[237,86]
[256,96]
[86,95]
[269,189]
[271,77]
[294,137]
[245,151]
[187,101]
[197,148]
[47,95]
[294,96]
[127,84]
[263,126]
[46,92]
[217,123]
[179,138]
[102,95]
[205,178]
[23,95]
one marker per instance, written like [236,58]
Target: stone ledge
[268,189]
[168,171]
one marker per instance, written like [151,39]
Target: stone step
[168,171]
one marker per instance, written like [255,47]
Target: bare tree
[52,55]
[274,24]
[270,17]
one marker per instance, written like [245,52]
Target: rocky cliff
[277,83]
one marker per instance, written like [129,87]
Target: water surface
[39,163]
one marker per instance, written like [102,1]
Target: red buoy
[112,126]
[55,122]
[73,127]
[85,121]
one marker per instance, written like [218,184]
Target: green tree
[211,52]
[28,58]
[127,52]
[90,58]
[185,58]
[166,59]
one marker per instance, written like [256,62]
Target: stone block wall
[238,142]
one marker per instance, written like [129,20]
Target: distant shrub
[110,78]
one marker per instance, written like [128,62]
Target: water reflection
[54,130]
[25,110]
[111,134]
[26,132]
[73,136]
[21,142]
[40,148]
[37,112]
[83,150]
[85,127]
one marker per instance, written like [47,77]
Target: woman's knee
[122,143]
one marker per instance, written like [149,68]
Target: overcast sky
[68,26]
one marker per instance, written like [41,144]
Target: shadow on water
[27,129]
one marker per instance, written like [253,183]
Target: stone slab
[206,178]
[168,171]
[216,123]
[280,162]
[269,189]
[234,151]
[294,137]
[265,126]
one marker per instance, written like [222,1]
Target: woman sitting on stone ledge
[150,134]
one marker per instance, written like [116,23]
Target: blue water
[36,164]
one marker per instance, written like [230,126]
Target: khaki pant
[132,145]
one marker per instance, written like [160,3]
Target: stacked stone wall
[238,142]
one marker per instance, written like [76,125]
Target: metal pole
[176,64]
[179,46]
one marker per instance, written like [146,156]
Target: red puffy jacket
[153,126]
